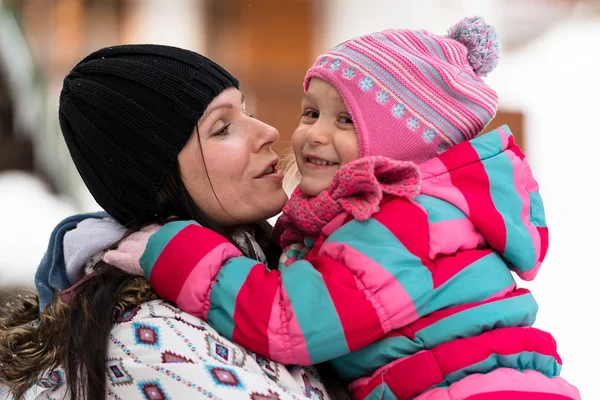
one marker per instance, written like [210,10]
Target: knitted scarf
[357,189]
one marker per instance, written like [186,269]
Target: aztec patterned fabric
[415,300]
[158,352]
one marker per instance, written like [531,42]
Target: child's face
[325,138]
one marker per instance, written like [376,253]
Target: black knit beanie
[127,111]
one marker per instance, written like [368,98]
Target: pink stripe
[503,137]
[513,395]
[449,237]
[449,47]
[392,303]
[455,112]
[468,174]
[409,376]
[341,88]
[449,267]
[448,77]
[502,293]
[294,350]
[484,95]
[522,178]
[194,296]
[432,168]
[436,316]
[436,182]
[531,274]
[502,380]
[379,373]
[450,108]
[277,344]
[334,224]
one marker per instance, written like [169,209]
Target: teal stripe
[314,311]
[488,145]
[483,115]
[386,250]
[538,217]
[429,42]
[476,282]
[472,79]
[519,249]
[230,280]
[439,210]
[158,241]
[504,127]
[440,122]
[507,313]
[523,361]
[367,360]
[381,392]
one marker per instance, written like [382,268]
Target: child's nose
[318,134]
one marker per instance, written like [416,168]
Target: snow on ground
[28,214]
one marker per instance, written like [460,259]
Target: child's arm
[311,312]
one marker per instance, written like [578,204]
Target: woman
[157,133]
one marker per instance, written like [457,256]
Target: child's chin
[312,186]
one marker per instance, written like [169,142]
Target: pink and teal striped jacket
[418,299]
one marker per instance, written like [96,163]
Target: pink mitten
[127,255]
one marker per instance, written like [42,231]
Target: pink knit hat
[413,94]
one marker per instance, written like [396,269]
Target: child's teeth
[320,162]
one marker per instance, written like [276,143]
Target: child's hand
[291,254]
[128,253]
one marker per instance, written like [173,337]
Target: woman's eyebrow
[229,106]
[217,107]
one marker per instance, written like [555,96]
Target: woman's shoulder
[158,348]
[161,332]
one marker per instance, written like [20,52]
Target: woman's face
[228,167]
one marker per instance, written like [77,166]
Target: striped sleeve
[327,305]
[489,180]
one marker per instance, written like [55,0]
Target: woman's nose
[268,135]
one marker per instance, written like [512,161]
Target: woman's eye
[310,114]
[345,120]
[223,131]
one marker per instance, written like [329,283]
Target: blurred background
[547,80]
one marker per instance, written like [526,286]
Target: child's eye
[312,114]
[344,119]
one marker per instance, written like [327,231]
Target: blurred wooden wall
[515,121]
[268,46]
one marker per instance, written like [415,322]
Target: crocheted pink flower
[357,189]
